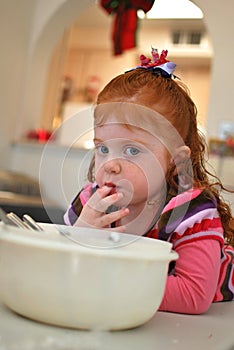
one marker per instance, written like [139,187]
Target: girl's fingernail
[126,211]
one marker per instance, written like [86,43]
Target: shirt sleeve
[192,286]
[77,204]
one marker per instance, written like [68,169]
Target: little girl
[148,177]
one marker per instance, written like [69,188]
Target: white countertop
[167,331]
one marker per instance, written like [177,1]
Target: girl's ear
[181,153]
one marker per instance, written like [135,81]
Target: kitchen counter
[63,169]
[167,331]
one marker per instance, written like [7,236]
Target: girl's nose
[112,166]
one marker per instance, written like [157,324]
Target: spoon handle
[32,223]
[17,221]
[4,218]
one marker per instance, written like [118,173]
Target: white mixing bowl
[84,280]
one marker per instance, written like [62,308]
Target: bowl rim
[59,242]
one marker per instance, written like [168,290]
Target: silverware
[17,221]
[13,219]
[32,223]
[4,218]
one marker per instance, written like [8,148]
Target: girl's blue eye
[132,151]
[102,149]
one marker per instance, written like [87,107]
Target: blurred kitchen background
[55,58]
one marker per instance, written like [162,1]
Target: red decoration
[125,21]
[157,60]
[40,135]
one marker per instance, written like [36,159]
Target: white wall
[219,21]
[29,31]
[15,31]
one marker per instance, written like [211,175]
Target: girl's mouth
[113,187]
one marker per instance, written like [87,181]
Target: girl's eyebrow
[97,140]
[140,141]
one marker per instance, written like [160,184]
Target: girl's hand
[94,214]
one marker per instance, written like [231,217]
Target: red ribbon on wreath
[125,21]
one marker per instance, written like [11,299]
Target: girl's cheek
[98,175]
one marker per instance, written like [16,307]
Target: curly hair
[171,98]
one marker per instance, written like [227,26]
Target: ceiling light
[165,9]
